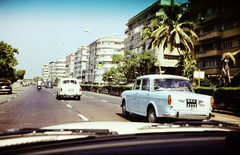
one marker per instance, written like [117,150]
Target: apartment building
[80,60]
[167,59]
[218,29]
[70,65]
[99,58]
[59,68]
[50,70]
[45,70]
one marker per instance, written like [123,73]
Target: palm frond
[235,53]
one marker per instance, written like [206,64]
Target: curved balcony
[209,53]
[209,35]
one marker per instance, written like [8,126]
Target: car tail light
[80,89]
[212,101]
[169,100]
[61,89]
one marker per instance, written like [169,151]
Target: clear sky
[47,30]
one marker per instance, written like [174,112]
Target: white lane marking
[83,117]
[104,101]
[91,97]
[8,100]
[69,106]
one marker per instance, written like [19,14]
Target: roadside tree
[186,65]
[168,31]
[7,60]
[37,78]
[129,66]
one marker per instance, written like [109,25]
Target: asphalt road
[29,108]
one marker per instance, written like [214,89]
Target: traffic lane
[219,117]
[136,118]
[94,108]
[104,97]
[35,109]
[4,97]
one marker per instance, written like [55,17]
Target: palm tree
[225,68]
[167,31]
[171,32]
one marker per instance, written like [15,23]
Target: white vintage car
[69,87]
[156,96]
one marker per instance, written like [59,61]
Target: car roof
[164,76]
[68,79]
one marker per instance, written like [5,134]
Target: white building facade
[70,65]
[99,58]
[80,59]
[45,70]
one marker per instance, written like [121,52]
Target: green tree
[110,75]
[146,61]
[168,30]
[19,74]
[171,32]
[126,66]
[37,78]
[7,60]
[129,66]
[186,65]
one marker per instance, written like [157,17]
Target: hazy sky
[47,30]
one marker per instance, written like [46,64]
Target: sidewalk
[16,85]
[228,118]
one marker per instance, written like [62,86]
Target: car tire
[152,118]
[79,98]
[125,113]
[10,92]
[58,97]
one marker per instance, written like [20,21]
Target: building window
[238,62]
[227,44]
[200,64]
[228,26]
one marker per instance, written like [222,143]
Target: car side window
[138,84]
[146,84]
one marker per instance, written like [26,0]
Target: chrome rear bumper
[178,114]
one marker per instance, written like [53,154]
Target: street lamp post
[101,36]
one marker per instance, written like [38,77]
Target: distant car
[69,87]
[24,84]
[156,96]
[5,86]
[48,84]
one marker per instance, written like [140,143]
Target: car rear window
[172,84]
[69,82]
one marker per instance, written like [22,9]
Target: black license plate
[191,103]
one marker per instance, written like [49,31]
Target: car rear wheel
[152,118]
[10,92]
[125,113]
